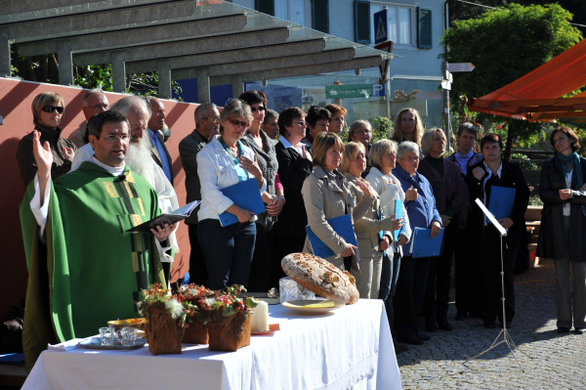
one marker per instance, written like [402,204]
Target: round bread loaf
[321,277]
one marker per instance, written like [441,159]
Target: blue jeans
[227,251]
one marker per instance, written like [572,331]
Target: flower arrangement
[225,315]
[197,312]
[209,305]
[157,294]
[165,319]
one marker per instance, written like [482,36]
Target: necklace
[229,151]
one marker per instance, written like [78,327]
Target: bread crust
[321,277]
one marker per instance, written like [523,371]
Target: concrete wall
[15,106]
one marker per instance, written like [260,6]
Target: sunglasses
[238,123]
[51,109]
[261,108]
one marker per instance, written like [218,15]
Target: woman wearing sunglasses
[224,162]
[48,108]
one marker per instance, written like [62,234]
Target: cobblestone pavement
[544,358]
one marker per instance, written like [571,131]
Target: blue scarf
[574,160]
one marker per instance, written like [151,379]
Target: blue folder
[502,200]
[341,225]
[398,214]
[246,195]
[422,245]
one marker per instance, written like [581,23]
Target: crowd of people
[114,172]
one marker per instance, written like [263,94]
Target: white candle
[260,317]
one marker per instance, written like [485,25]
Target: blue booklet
[502,200]
[244,194]
[422,245]
[341,225]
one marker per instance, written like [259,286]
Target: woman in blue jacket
[423,213]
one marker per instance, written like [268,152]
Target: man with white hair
[138,158]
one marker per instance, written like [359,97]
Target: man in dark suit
[207,124]
[157,141]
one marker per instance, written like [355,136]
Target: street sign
[381,26]
[355,91]
[460,67]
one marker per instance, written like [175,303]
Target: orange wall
[15,106]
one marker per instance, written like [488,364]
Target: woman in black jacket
[481,179]
[295,164]
[563,225]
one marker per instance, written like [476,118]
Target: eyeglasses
[261,108]
[238,123]
[111,138]
[51,109]
[215,119]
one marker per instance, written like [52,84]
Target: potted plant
[196,331]
[165,317]
[227,318]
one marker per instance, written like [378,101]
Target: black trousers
[197,265]
[260,271]
[468,280]
[411,287]
[437,294]
[490,256]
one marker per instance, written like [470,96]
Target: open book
[177,215]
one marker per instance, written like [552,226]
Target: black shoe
[430,325]
[475,314]
[489,324]
[443,324]
[461,316]
[422,337]
[563,329]
[411,339]
[579,330]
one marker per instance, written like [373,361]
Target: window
[293,10]
[408,25]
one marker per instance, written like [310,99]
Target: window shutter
[424,28]
[265,6]
[362,21]
[320,15]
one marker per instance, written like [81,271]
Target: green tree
[504,44]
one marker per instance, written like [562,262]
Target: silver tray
[94,343]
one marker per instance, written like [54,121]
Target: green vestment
[91,269]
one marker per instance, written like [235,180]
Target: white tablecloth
[350,347]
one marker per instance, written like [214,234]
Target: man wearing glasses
[94,102]
[91,269]
[207,125]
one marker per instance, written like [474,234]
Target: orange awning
[537,96]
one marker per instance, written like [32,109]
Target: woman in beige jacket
[326,195]
[372,230]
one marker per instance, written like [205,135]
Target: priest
[85,268]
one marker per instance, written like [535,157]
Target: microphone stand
[506,337]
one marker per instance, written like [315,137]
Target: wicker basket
[163,333]
[195,332]
[230,333]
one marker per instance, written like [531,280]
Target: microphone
[122,177]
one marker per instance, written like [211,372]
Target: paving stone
[542,359]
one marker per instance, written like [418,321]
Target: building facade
[414,27]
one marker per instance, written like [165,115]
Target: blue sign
[381,26]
